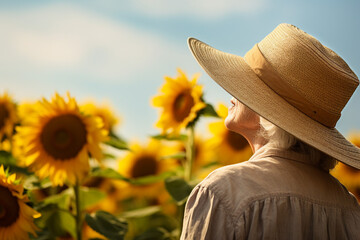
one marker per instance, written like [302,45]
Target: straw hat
[293,81]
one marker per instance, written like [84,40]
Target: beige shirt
[274,195]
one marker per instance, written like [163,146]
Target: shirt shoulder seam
[226,208]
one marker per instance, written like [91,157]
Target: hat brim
[233,74]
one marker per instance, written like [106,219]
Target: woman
[288,93]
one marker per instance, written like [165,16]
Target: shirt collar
[288,154]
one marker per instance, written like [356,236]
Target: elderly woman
[288,92]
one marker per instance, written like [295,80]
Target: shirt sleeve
[206,217]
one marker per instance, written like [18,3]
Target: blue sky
[118,52]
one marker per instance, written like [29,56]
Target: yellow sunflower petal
[145,160]
[59,137]
[180,100]
[8,115]
[16,217]
[104,113]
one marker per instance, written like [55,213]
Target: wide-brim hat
[293,81]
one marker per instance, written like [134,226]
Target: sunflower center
[236,141]
[4,114]
[144,166]
[9,207]
[2,211]
[182,105]
[64,136]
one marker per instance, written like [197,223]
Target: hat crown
[314,71]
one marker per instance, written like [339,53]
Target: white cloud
[206,9]
[63,39]
[58,47]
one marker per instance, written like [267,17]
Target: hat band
[270,77]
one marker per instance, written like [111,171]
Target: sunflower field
[66,174]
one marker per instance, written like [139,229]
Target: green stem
[190,153]
[190,156]
[78,210]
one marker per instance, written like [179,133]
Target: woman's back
[277,194]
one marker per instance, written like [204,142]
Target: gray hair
[279,138]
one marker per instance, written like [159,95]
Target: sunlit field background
[106,120]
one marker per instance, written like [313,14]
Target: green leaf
[60,223]
[108,173]
[142,212]
[111,173]
[109,156]
[112,134]
[178,188]
[180,137]
[51,207]
[7,159]
[117,143]
[55,221]
[62,200]
[90,196]
[209,111]
[152,178]
[33,182]
[43,235]
[107,225]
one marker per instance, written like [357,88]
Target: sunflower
[56,140]
[24,111]
[354,138]
[104,112]
[229,147]
[346,174]
[16,217]
[8,116]
[180,100]
[143,161]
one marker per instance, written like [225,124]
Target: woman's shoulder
[234,171]
[243,183]
[236,182]
[244,172]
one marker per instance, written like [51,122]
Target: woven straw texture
[314,71]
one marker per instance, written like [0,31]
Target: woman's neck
[255,140]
